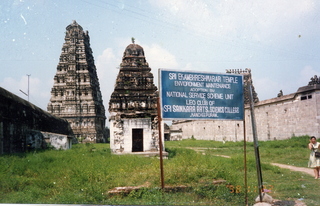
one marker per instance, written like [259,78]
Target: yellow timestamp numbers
[239,188]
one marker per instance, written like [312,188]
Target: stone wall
[21,122]
[175,135]
[277,118]
[285,116]
[58,141]
[35,140]
[210,130]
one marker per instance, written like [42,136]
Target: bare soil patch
[294,168]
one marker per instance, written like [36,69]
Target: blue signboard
[193,95]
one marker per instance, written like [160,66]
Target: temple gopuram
[133,106]
[247,79]
[75,95]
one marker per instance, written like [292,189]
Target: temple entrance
[137,140]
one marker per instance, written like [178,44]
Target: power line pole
[27,94]
[28,85]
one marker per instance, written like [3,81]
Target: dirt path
[293,168]
[290,167]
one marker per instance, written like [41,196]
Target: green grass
[85,173]
[291,151]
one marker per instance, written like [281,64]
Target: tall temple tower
[133,105]
[75,95]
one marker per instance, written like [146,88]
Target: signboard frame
[206,101]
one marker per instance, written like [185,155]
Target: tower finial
[132,39]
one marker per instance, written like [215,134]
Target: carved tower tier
[75,95]
[133,105]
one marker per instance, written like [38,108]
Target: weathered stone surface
[175,135]
[167,188]
[262,204]
[76,95]
[21,124]
[133,105]
[128,189]
[58,141]
[265,198]
[135,94]
[35,140]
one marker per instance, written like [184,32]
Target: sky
[278,40]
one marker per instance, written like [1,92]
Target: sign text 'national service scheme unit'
[193,95]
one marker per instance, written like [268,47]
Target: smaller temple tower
[133,105]
[75,95]
[247,79]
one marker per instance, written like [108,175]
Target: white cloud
[267,87]
[107,64]
[189,66]
[38,92]
[229,19]
[305,75]
[266,92]
[158,57]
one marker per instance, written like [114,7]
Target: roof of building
[302,90]
[133,50]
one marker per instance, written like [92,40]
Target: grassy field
[85,174]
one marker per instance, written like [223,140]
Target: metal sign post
[245,162]
[160,145]
[191,95]
[256,145]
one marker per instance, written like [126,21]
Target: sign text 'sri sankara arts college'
[194,95]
